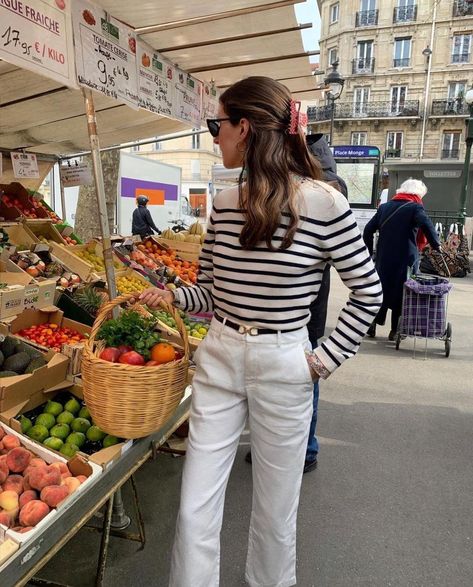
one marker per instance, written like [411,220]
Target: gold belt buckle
[251,330]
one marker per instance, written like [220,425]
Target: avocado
[35,364]
[8,346]
[17,362]
[22,347]
[8,374]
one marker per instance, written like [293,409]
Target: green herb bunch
[131,329]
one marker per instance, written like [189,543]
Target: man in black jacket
[142,223]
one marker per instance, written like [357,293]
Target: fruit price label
[209,101]
[73,175]
[25,165]
[105,52]
[37,35]
[156,77]
[188,102]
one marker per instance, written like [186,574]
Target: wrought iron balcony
[366,18]
[462,8]
[345,110]
[461,58]
[405,14]
[362,65]
[450,153]
[402,62]
[392,154]
[452,107]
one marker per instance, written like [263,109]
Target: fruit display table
[34,554]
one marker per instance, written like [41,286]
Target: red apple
[111,354]
[131,358]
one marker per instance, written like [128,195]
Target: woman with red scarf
[404,230]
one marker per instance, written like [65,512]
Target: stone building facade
[407,65]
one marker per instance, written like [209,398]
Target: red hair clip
[297,117]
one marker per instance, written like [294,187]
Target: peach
[6,519]
[18,459]
[72,483]
[81,478]
[14,483]
[10,442]
[26,483]
[9,500]
[40,477]
[33,512]
[3,471]
[63,468]
[38,462]
[27,496]
[54,494]
[25,530]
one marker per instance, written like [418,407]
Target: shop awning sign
[73,175]
[37,35]
[105,52]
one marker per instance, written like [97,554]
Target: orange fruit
[163,352]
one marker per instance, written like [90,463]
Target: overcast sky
[309,12]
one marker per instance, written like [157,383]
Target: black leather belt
[251,330]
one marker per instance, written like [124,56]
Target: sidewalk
[391,501]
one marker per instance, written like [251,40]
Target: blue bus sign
[356,152]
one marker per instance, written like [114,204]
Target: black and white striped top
[274,289]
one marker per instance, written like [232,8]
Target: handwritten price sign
[25,165]
[156,78]
[105,53]
[188,103]
[37,35]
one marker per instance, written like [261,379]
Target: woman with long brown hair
[267,244]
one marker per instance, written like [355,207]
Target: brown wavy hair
[272,158]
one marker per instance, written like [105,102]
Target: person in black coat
[403,228]
[142,222]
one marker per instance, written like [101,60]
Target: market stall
[131,88]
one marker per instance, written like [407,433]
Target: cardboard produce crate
[77,466]
[13,296]
[103,458]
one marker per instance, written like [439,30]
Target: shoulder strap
[392,214]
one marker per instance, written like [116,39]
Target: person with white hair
[404,229]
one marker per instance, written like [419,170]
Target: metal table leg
[104,543]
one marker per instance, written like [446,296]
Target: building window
[198,202]
[196,140]
[332,55]
[135,148]
[361,98]
[364,62]
[405,11]
[402,52]
[359,138]
[462,8]
[158,146]
[398,99]
[367,15]
[334,12]
[461,48]
[394,144]
[451,145]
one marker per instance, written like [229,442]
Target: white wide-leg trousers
[266,380]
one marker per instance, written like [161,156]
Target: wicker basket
[130,401]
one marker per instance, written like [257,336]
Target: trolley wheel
[448,346]
[448,333]
[398,340]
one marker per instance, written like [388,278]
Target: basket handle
[107,308]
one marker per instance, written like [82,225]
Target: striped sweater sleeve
[198,298]
[345,250]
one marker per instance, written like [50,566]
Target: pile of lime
[195,329]
[64,424]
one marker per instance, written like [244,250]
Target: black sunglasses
[213,124]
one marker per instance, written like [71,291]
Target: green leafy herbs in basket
[130,329]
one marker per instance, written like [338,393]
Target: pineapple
[89,299]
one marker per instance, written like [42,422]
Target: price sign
[37,35]
[209,101]
[188,102]
[73,175]
[25,165]
[105,53]
[156,78]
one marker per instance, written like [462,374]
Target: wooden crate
[19,235]
[47,230]
[129,272]
[66,255]
[186,251]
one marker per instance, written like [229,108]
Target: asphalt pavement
[391,501]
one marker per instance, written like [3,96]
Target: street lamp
[466,166]
[334,84]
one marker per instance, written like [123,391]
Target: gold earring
[239,150]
